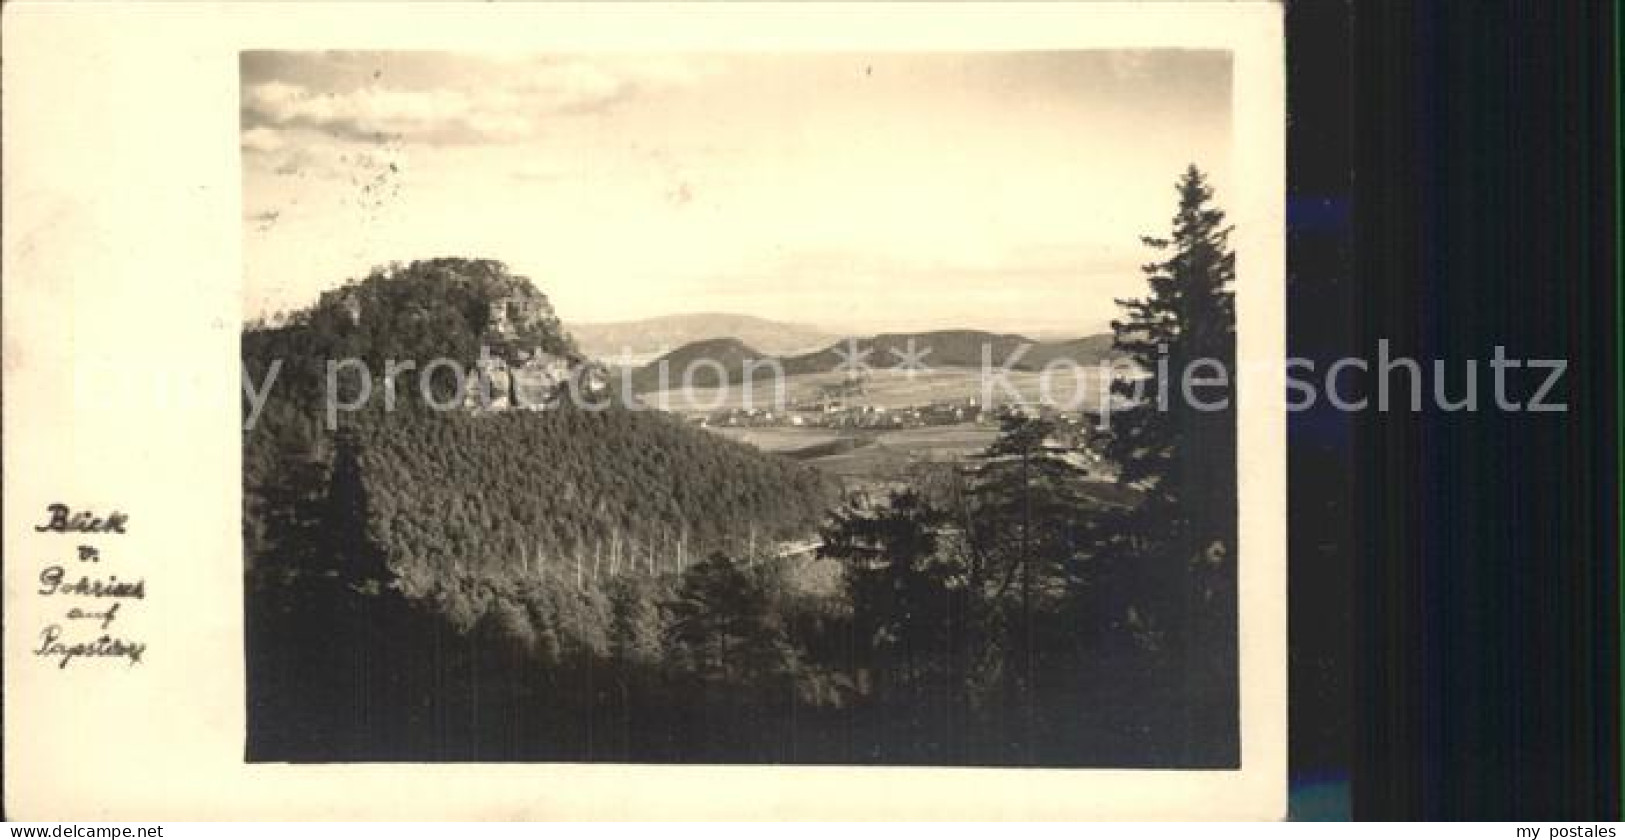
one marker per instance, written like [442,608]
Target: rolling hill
[651,336]
[1087,351]
[713,362]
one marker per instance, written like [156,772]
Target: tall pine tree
[1177,444]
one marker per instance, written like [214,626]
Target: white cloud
[379,112]
[509,101]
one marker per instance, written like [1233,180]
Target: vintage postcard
[549,411]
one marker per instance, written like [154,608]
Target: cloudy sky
[879,191]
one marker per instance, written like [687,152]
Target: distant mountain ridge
[937,348]
[933,349]
[649,336]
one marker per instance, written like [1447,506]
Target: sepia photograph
[850,408]
[616,411]
[483,413]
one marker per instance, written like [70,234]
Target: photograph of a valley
[740,408]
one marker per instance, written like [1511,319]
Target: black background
[1455,576]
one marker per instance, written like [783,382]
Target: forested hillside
[403,531]
[611,490]
[454,493]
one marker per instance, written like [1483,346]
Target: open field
[890,454]
[867,453]
[785,439]
[963,438]
[1067,388]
